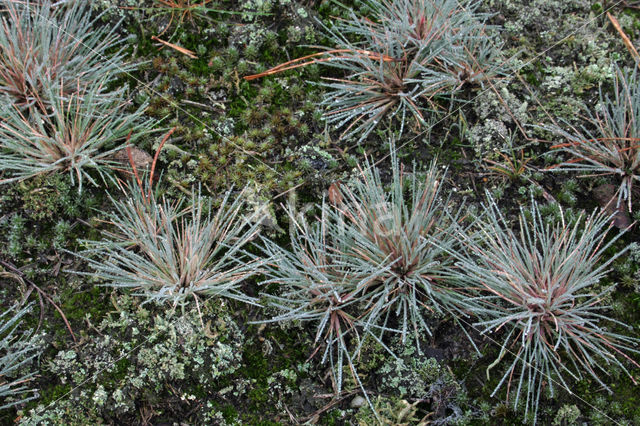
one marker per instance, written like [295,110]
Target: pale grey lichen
[116,370]
[567,416]
[499,113]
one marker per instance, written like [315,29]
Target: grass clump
[539,287]
[15,353]
[77,133]
[45,47]
[609,143]
[58,113]
[175,250]
[373,262]
[404,57]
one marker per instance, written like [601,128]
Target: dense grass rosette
[78,134]
[539,294]
[16,351]
[609,143]
[398,61]
[45,47]
[173,251]
[375,261]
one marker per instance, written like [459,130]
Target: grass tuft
[538,287]
[78,134]
[174,251]
[15,352]
[373,262]
[612,147]
[401,60]
[45,47]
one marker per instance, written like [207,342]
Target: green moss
[78,304]
[229,412]
[532,73]
[138,356]
[48,209]
[52,393]
[118,374]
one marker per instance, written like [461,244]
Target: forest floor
[108,358]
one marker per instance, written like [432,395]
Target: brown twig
[186,10]
[134,168]
[329,405]
[189,53]
[312,59]
[155,157]
[625,38]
